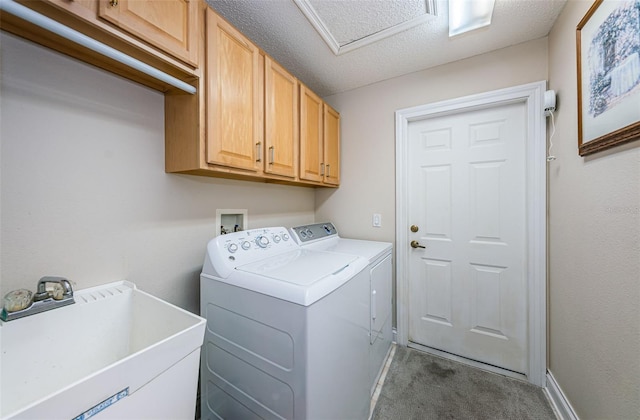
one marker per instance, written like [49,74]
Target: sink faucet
[43,300]
[42,294]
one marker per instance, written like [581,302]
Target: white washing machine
[325,237]
[286,330]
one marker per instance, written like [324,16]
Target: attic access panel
[347,25]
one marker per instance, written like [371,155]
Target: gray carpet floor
[422,386]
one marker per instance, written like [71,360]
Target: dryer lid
[371,250]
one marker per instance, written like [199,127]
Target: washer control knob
[246,245]
[232,248]
[285,237]
[262,241]
[276,238]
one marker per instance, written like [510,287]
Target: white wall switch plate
[377,220]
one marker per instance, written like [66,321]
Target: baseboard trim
[558,400]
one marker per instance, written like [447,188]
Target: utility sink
[118,352]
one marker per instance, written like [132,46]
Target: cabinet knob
[113,3]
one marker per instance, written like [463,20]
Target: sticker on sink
[103,405]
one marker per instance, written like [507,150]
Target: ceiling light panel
[468,15]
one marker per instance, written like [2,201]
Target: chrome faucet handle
[42,294]
[66,287]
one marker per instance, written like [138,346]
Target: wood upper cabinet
[243,121]
[170,25]
[331,146]
[234,123]
[248,119]
[281,120]
[311,136]
[319,139]
[165,34]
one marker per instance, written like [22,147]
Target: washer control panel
[313,232]
[246,246]
[227,252]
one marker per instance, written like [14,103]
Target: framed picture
[608,46]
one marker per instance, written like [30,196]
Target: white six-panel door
[467,196]
[485,318]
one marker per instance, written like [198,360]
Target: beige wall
[594,254]
[83,188]
[368,130]
[594,211]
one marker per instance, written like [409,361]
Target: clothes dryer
[325,237]
[286,330]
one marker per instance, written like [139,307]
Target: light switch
[377,220]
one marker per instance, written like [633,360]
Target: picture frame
[608,58]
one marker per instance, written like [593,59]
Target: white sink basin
[117,345]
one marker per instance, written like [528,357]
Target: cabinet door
[311,141]
[171,25]
[281,120]
[234,96]
[331,146]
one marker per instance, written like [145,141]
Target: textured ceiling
[283,31]
[350,21]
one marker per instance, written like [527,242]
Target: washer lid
[301,267]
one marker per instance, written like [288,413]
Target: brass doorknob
[414,228]
[416,244]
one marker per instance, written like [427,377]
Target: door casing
[532,95]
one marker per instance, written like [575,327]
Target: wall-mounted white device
[549,102]
[549,109]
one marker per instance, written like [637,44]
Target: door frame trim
[532,95]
